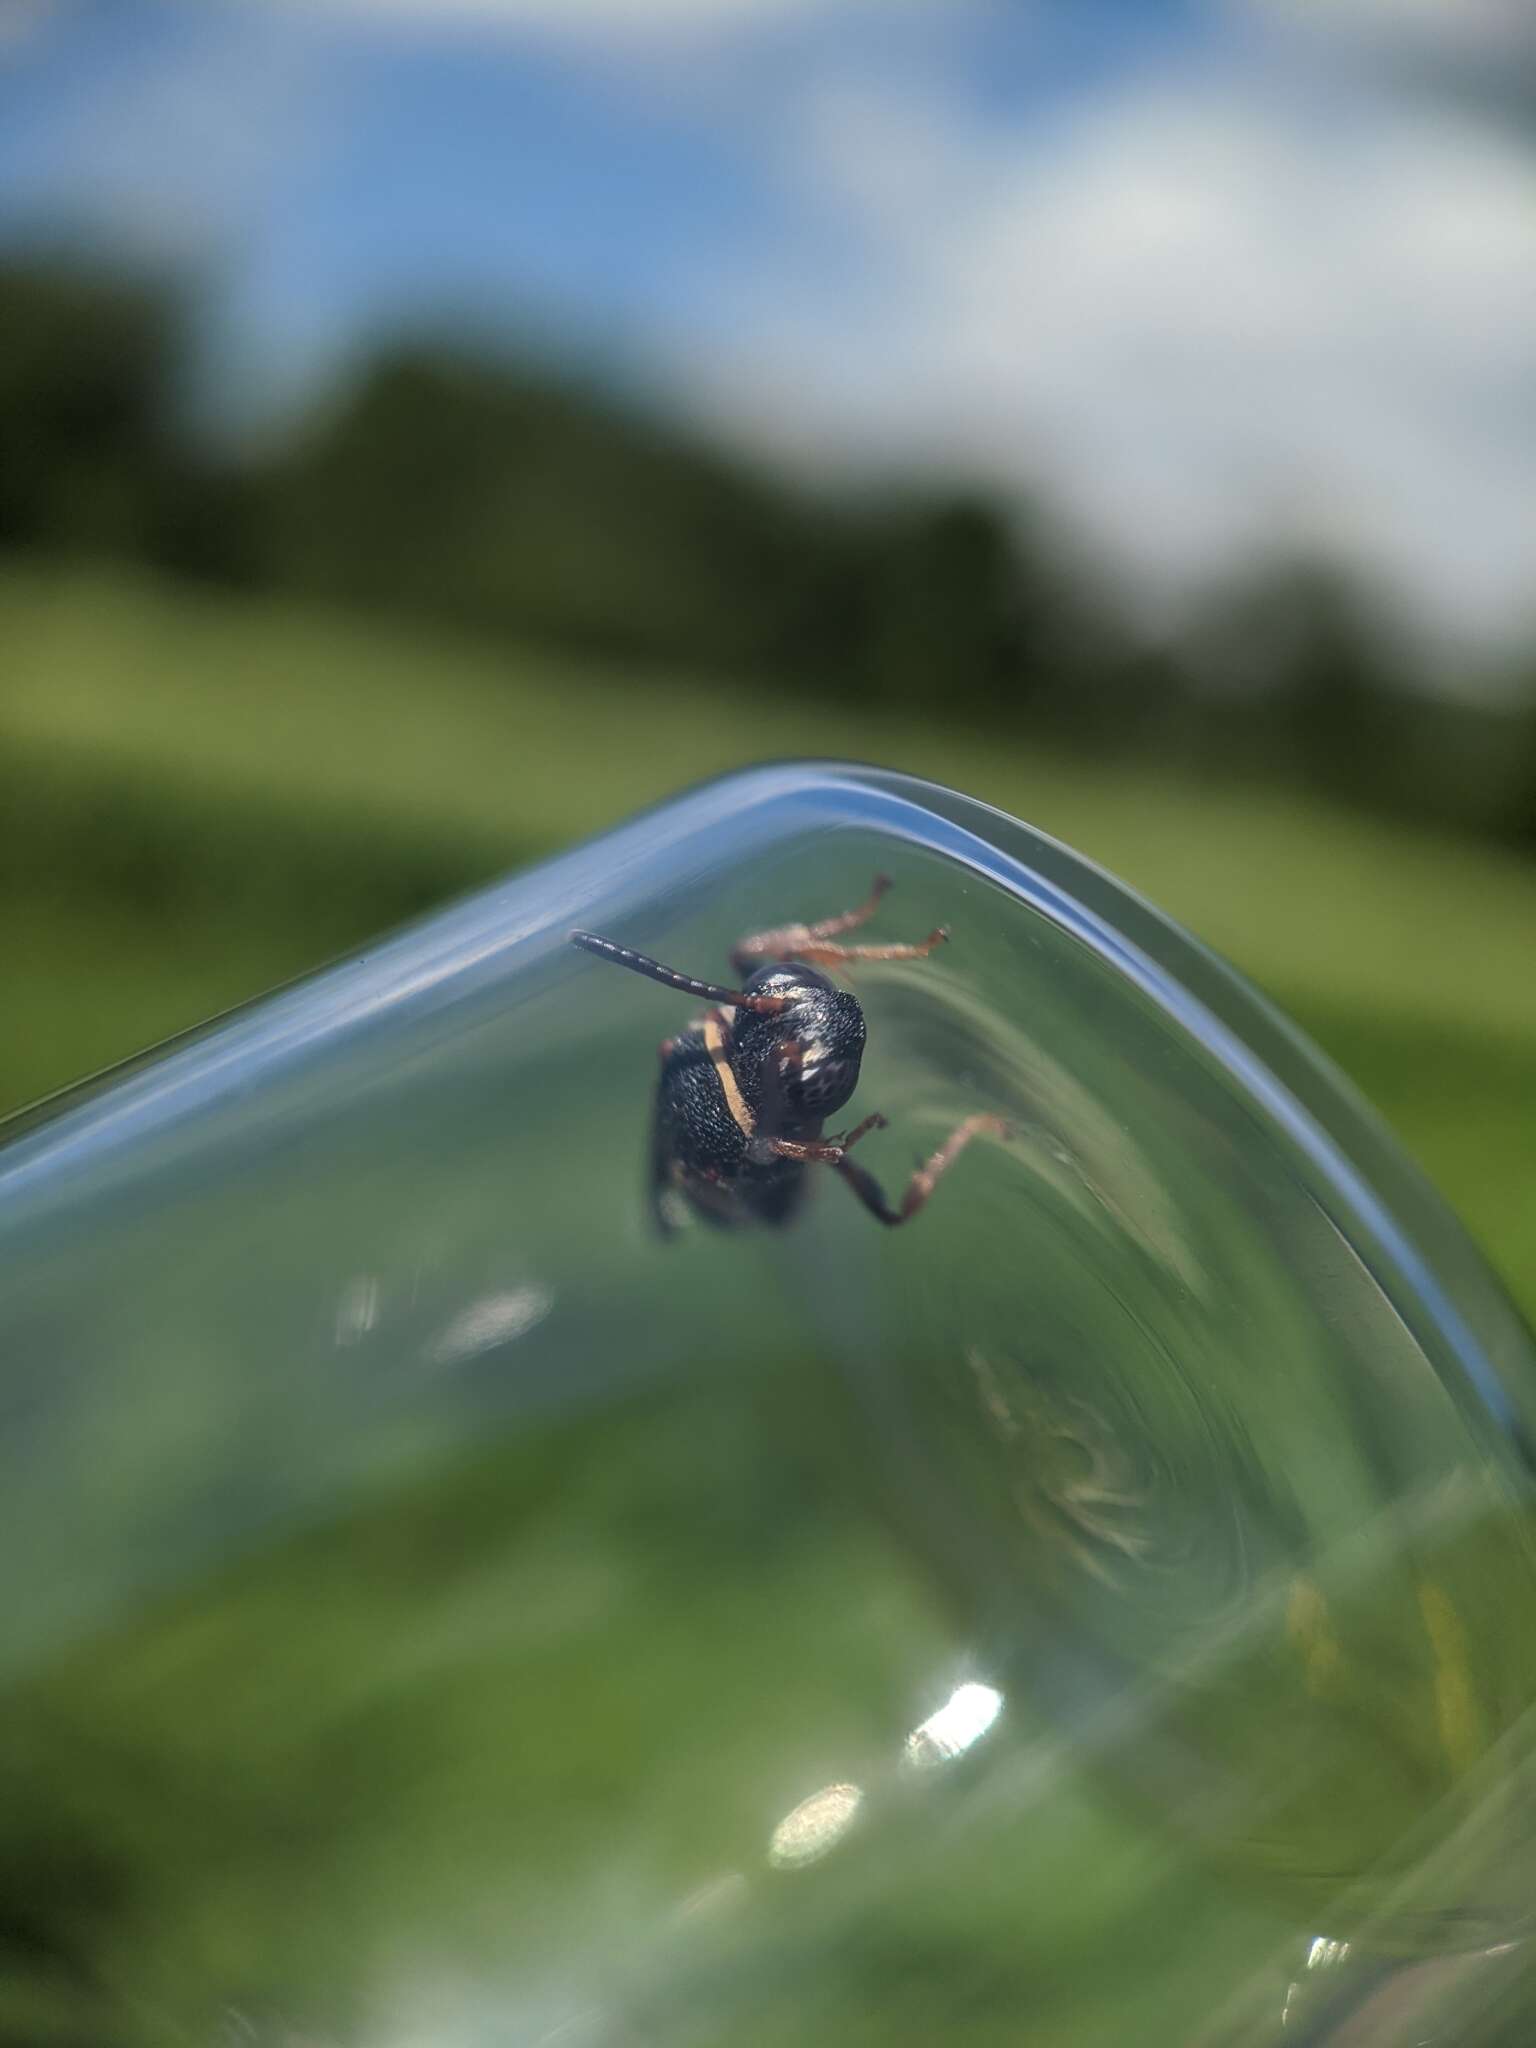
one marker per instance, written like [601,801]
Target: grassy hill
[200,797]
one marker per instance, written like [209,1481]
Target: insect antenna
[706,991]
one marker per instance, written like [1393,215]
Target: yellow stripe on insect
[718,1048]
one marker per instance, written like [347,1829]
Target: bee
[744,1092]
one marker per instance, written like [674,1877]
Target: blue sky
[1211,274]
[343,168]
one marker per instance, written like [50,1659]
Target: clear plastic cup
[442,1612]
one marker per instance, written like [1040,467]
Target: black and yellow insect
[744,1092]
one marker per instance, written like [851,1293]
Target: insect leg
[873,1122]
[788,941]
[821,953]
[829,1152]
[927,1176]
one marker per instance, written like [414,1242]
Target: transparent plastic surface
[440,1612]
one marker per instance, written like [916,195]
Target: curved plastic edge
[84,1141]
[1385,1206]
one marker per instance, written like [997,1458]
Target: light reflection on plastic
[963,1719]
[719,1896]
[816,1825]
[357,1309]
[1324,1954]
[494,1319]
[580,2024]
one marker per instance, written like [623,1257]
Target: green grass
[199,797]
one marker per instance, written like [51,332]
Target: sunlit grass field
[200,797]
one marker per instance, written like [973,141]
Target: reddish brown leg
[789,941]
[873,1122]
[927,1176]
[828,1152]
[822,955]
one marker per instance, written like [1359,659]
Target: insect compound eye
[826,1084]
[824,1034]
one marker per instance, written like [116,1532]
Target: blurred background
[431,430]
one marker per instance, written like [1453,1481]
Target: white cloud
[1207,315]
[1447,31]
[1207,308]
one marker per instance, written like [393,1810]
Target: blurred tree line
[496,498]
